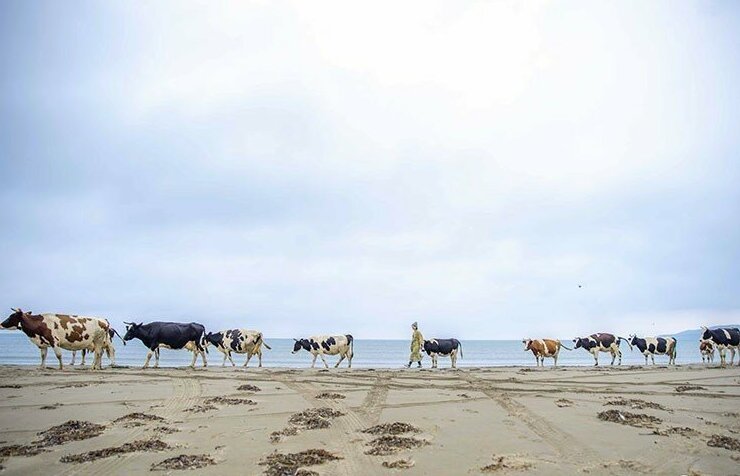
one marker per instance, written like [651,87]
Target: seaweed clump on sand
[395,428]
[636,404]
[314,418]
[330,396]
[279,464]
[138,445]
[166,429]
[248,388]
[310,419]
[563,403]
[229,401]
[391,444]
[676,430]
[632,419]
[21,450]
[138,416]
[200,408]
[183,462]
[72,430]
[501,463]
[689,388]
[399,464]
[726,442]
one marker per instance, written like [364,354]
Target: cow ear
[140,324]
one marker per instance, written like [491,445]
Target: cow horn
[14,309]
[295,340]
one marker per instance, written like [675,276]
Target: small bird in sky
[580,286]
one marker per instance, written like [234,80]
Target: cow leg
[223,364]
[195,356]
[341,358]
[58,353]
[313,362]
[732,356]
[555,360]
[43,350]
[259,356]
[722,355]
[156,358]
[74,354]
[350,354]
[652,358]
[98,359]
[230,360]
[324,360]
[148,358]
[246,362]
[111,352]
[596,357]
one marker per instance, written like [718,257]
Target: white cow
[329,345]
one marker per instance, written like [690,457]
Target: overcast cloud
[312,167]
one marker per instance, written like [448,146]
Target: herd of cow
[90,334]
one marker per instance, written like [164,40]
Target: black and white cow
[169,335]
[723,338]
[108,347]
[443,347]
[649,346]
[329,345]
[601,342]
[239,341]
[706,349]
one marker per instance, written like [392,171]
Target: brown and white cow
[542,348]
[706,348]
[61,331]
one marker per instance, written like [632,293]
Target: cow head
[580,342]
[301,344]
[14,320]
[213,338]
[132,330]
[705,334]
[632,340]
[527,344]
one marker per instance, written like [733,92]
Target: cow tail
[261,339]
[264,343]
[564,347]
[351,343]
[201,342]
[628,342]
[119,335]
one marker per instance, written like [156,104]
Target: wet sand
[506,420]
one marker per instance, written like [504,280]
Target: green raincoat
[416,342]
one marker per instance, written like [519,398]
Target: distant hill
[695,334]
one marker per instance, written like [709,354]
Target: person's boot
[408,366]
[419,364]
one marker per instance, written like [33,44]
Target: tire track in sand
[559,440]
[185,394]
[355,460]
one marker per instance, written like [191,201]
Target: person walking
[417,340]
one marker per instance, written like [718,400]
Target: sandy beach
[471,421]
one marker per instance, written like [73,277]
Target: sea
[16,349]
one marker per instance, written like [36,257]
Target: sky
[492,170]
